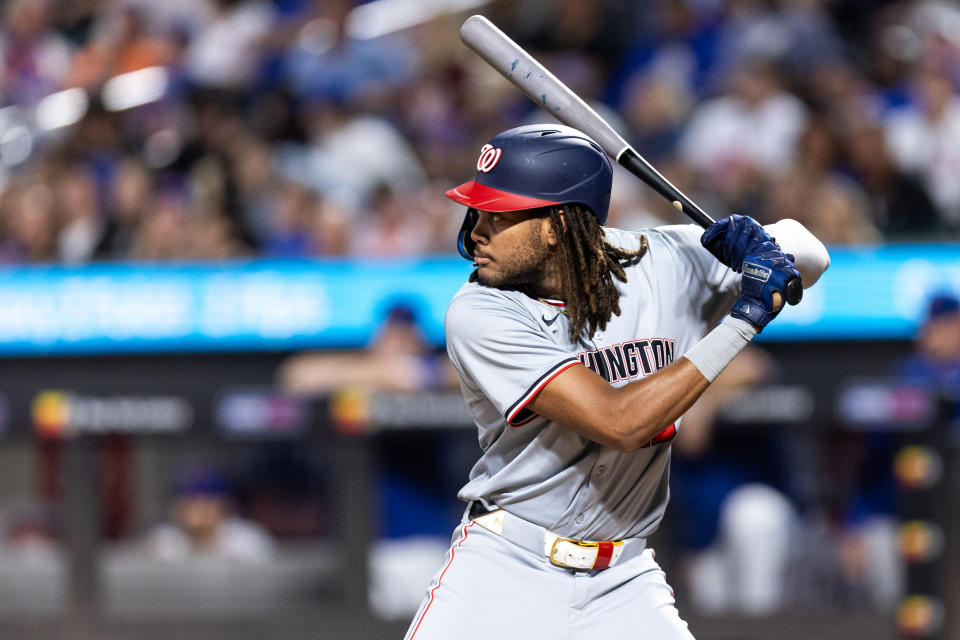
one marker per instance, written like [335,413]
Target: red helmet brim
[478,196]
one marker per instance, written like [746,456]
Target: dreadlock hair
[588,264]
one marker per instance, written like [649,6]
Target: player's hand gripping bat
[520,68]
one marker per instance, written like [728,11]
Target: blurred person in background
[122,42]
[250,160]
[837,211]
[35,57]
[655,109]
[796,34]
[163,235]
[898,204]
[351,153]
[740,137]
[815,189]
[129,203]
[392,227]
[203,523]
[924,137]
[861,489]
[288,214]
[327,61]
[398,358]
[676,45]
[330,229]
[81,226]
[731,512]
[416,472]
[29,223]
[935,362]
[224,51]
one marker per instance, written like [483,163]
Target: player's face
[513,248]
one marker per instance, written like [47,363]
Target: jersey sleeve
[502,352]
[709,284]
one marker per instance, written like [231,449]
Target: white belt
[582,555]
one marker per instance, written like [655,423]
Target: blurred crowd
[211,129]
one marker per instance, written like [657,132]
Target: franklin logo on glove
[756,272]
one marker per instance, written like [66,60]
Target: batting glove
[763,273]
[733,238]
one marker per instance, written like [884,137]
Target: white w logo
[488,158]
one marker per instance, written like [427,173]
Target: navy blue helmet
[535,166]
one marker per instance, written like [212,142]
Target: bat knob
[794,291]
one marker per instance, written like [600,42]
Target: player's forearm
[629,417]
[624,418]
[646,407]
[665,396]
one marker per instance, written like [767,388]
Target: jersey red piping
[442,573]
[532,393]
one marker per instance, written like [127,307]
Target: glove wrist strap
[715,351]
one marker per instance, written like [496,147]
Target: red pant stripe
[453,549]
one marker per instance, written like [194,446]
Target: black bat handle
[632,162]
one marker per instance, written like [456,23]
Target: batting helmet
[535,166]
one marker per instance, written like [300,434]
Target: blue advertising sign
[869,293]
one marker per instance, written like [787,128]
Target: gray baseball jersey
[507,346]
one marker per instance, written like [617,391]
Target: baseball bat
[544,88]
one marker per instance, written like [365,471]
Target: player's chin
[488,277]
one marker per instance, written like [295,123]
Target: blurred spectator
[129,204]
[861,470]
[399,358]
[265,95]
[225,51]
[796,34]
[734,522]
[351,156]
[163,235]
[655,108]
[393,227]
[677,46]
[289,215]
[202,524]
[81,226]
[29,223]
[898,204]
[328,62]
[330,229]
[837,213]
[925,137]
[256,184]
[35,57]
[737,138]
[936,361]
[121,44]
[415,471]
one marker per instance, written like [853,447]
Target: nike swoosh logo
[551,320]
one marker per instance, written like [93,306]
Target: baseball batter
[579,348]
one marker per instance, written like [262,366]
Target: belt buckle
[583,561]
[593,555]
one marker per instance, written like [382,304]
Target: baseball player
[579,348]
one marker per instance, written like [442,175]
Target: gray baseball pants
[490,588]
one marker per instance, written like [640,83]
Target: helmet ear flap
[465,245]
